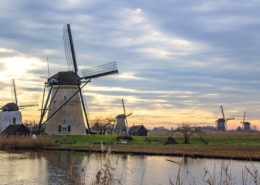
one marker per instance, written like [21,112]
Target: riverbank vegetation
[241,148]
[212,134]
[195,151]
[107,173]
[80,140]
[18,142]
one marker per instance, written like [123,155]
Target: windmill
[65,102]
[246,125]
[10,112]
[121,120]
[222,122]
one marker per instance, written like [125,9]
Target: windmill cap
[10,107]
[247,123]
[67,78]
[121,116]
[221,120]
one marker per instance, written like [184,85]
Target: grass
[227,145]
[78,140]
[26,142]
[218,147]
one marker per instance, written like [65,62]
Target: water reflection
[51,167]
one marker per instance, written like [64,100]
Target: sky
[178,61]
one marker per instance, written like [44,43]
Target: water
[51,167]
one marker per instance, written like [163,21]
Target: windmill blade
[123,106]
[103,70]
[124,112]
[13,92]
[244,117]
[129,114]
[222,112]
[86,107]
[69,49]
[48,67]
[28,104]
[230,118]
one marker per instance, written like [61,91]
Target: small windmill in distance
[121,120]
[222,122]
[246,125]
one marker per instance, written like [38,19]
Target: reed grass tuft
[18,142]
[211,134]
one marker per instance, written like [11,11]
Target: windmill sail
[230,118]
[13,92]
[28,104]
[69,49]
[86,107]
[103,70]
[124,112]
[129,113]
[222,112]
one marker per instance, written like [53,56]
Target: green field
[79,140]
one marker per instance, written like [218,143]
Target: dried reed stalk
[18,142]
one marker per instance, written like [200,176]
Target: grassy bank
[78,140]
[200,151]
[241,148]
[26,143]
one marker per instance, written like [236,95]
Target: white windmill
[10,112]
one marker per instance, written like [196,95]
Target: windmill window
[77,118]
[14,121]
[64,128]
[65,97]
[64,120]
[65,108]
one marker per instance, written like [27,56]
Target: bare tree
[103,124]
[187,130]
[254,128]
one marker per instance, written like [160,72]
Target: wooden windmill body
[246,125]
[121,120]
[68,120]
[221,123]
[64,104]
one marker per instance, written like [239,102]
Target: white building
[10,115]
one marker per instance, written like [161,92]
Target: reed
[18,142]
[211,134]
[106,174]
[248,176]
[231,134]
[157,133]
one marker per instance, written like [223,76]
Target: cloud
[174,57]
